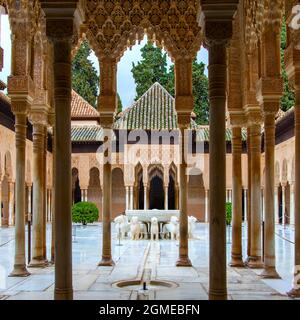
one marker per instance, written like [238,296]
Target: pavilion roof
[81,109]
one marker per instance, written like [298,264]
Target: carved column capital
[38,117]
[237,119]
[254,115]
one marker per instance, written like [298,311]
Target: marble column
[11,203]
[255,259]
[51,119]
[38,258]
[127,197]
[19,269]
[145,196]
[166,197]
[283,203]
[269,234]
[292,205]
[206,206]
[60,32]
[183,260]
[45,194]
[245,205]
[249,196]
[236,248]
[217,171]
[276,207]
[131,197]
[106,203]
[295,292]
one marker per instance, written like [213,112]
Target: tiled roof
[86,133]
[155,110]
[283,114]
[80,108]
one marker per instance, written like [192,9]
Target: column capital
[20,87]
[269,93]
[59,19]
[254,115]
[38,117]
[237,119]
[20,106]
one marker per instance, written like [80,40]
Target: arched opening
[171,194]
[139,187]
[156,193]
[280,205]
[118,192]
[287,204]
[76,192]
[94,193]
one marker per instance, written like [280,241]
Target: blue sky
[125,82]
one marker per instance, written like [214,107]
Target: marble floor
[148,261]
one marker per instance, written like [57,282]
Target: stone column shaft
[145,197]
[217,172]
[249,211]
[166,197]
[292,201]
[276,213]
[236,248]
[38,229]
[183,260]
[63,171]
[107,208]
[206,206]
[255,260]
[283,204]
[269,241]
[127,198]
[19,262]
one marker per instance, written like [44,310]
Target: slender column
[29,202]
[20,131]
[236,249]
[145,197]
[11,202]
[183,260]
[245,205]
[295,292]
[106,198]
[217,172]
[60,32]
[249,211]
[269,241]
[255,260]
[38,258]
[166,197]
[292,205]
[283,203]
[127,197]
[276,211]
[131,197]
[44,189]
[206,206]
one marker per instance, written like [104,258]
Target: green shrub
[228,213]
[85,212]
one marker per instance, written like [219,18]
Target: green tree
[85,80]
[288,99]
[153,68]
[85,212]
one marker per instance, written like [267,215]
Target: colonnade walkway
[135,259]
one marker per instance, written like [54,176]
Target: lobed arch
[113,26]
[156,170]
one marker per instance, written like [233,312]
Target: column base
[255,263]
[217,295]
[184,262]
[19,271]
[106,262]
[294,293]
[270,273]
[237,262]
[38,263]
[63,294]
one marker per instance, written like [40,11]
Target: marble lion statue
[143,231]
[135,228]
[122,226]
[154,228]
[172,228]
[191,226]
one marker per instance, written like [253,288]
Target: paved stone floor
[148,261]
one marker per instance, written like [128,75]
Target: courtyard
[132,258]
